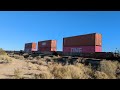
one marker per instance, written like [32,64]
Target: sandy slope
[7,70]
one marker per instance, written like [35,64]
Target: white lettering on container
[76,49]
[44,43]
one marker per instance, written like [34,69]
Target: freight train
[97,55]
[88,46]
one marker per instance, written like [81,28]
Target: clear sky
[20,27]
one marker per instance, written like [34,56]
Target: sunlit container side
[83,40]
[98,48]
[82,49]
[29,47]
[47,49]
[48,45]
[98,39]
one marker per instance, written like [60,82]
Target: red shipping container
[46,49]
[82,49]
[47,43]
[30,47]
[93,39]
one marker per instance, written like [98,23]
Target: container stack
[47,46]
[29,47]
[88,43]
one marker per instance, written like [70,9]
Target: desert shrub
[30,58]
[89,73]
[55,57]
[68,72]
[31,66]
[41,62]
[47,57]
[43,75]
[19,57]
[118,71]
[51,67]
[43,68]
[100,75]
[109,67]
[17,74]
[2,52]
[5,59]
[37,58]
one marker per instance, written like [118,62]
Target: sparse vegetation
[68,72]
[18,57]
[49,68]
[43,75]
[5,59]
[109,68]
[17,74]
[100,75]
[2,52]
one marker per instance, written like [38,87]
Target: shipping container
[93,39]
[82,49]
[98,39]
[48,45]
[29,47]
[49,49]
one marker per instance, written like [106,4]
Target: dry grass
[30,58]
[46,57]
[52,70]
[5,59]
[2,52]
[19,57]
[41,62]
[43,75]
[17,74]
[31,66]
[100,75]
[68,72]
[43,68]
[109,68]
[37,58]
[87,70]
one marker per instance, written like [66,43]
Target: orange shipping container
[44,49]
[47,43]
[30,47]
[93,39]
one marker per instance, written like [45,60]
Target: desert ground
[18,67]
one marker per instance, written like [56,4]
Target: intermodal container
[48,45]
[29,47]
[49,49]
[82,49]
[93,39]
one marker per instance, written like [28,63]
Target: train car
[97,55]
[47,46]
[29,47]
[88,43]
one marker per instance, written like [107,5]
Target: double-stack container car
[88,43]
[47,46]
[30,47]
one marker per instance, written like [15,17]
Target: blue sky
[19,27]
